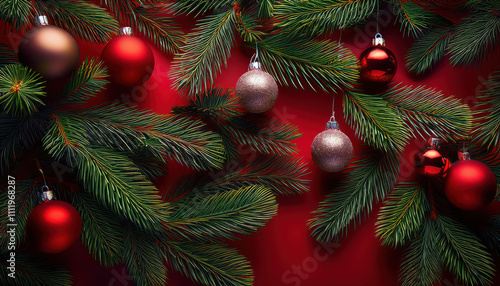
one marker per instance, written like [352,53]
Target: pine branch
[316,17]
[26,198]
[476,37]
[368,116]
[414,19]
[266,9]
[161,29]
[201,6]
[101,230]
[422,265]
[248,24]
[463,253]
[85,20]
[18,13]
[487,117]
[223,215]
[428,50]
[207,48]
[317,64]
[21,90]
[31,271]
[86,82]
[7,56]
[429,113]
[211,264]
[403,215]
[143,258]
[370,178]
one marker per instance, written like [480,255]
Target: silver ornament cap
[126,31]
[331,149]
[42,20]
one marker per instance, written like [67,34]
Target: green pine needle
[201,6]
[207,48]
[21,90]
[7,56]
[211,264]
[422,263]
[370,177]
[463,253]
[222,215]
[415,19]
[316,17]
[18,13]
[487,117]
[403,214]
[266,9]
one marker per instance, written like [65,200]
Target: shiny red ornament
[470,185]
[378,64]
[130,60]
[53,226]
[430,161]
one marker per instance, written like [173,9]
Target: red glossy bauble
[470,185]
[431,163]
[53,226]
[130,60]
[378,65]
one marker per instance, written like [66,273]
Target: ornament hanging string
[338,56]
[255,58]
[378,4]
[41,172]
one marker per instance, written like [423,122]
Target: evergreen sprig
[201,7]
[18,13]
[487,117]
[414,19]
[21,90]
[370,178]
[7,56]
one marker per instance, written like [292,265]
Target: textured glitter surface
[257,91]
[331,150]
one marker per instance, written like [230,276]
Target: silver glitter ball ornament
[332,150]
[257,90]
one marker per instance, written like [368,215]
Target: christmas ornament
[331,149]
[53,226]
[256,88]
[130,60]
[430,161]
[378,64]
[470,185]
[49,50]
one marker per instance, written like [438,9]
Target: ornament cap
[42,20]
[332,124]
[126,31]
[434,142]
[463,155]
[254,65]
[46,194]
[378,40]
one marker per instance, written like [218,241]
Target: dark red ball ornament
[470,185]
[49,50]
[430,161]
[378,64]
[130,60]
[53,226]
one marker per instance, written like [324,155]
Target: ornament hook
[254,60]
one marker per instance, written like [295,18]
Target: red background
[285,243]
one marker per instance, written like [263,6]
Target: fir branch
[216,104]
[21,90]
[422,265]
[490,234]
[266,9]
[161,29]
[429,113]
[463,253]
[101,230]
[368,116]
[207,48]
[200,7]
[18,13]
[31,271]
[143,258]
[319,64]
[476,37]
[223,215]
[414,19]
[316,17]
[7,56]
[403,214]
[86,82]
[428,50]
[85,20]
[487,117]
[370,178]
[211,264]
[248,25]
